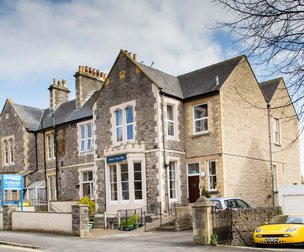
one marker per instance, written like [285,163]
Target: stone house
[139,137]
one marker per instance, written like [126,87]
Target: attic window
[7,116]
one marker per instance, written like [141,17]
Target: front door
[193,187]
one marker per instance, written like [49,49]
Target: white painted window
[274,178]
[172,180]
[138,190]
[11,144]
[85,137]
[130,123]
[51,181]
[123,123]
[50,146]
[6,155]
[200,115]
[170,120]
[124,180]
[276,131]
[119,122]
[87,184]
[212,180]
[113,183]
[193,169]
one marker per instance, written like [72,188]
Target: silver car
[222,204]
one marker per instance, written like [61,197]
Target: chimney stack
[59,94]
[88,80]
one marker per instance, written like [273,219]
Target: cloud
[46,39]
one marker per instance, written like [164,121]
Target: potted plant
[127,225]
[91,210]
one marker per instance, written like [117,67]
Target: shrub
[134,218]
[205,193]
[90,203]
[214,240]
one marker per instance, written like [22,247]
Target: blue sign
[116,158]
[12,182]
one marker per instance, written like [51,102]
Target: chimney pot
[130,54]
[97,72]
[90,69]
[94,71]
[59,83]
[134,57]
[79,69]
[64,83]
[54,82]
[86,69]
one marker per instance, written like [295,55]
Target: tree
[273,33]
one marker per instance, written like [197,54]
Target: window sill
[277,144]
[201,134]
[213,192]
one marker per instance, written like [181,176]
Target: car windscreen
[217,204]
[287,219]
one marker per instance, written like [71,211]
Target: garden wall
[42,222]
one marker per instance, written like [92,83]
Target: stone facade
[236,141]
[12,128]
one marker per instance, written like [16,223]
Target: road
[121,242]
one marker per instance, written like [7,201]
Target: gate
[222,225]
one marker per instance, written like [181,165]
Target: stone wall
[11,127]
[245,221]
[183,218]
[245,138]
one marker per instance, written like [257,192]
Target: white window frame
[193,174]
[51,182]
[90,182]
[6,152]
[175,180]
[11,151]
[50,145]
[113,111]
[170,120]
[200,119]
[132,203]
[277,133]
[274,176]
[86,138]
[137,181]
[212,175]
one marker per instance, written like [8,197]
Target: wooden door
[193,187]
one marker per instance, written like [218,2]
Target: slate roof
[269,87]
[207,79]
[67,112]
[29,116]
[199,82]
[168,83]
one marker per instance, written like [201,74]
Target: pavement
[113,241]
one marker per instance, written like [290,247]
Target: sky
[45,39]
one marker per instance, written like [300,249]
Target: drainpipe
[164,153]
[44,168]
[270,154]
[55,154]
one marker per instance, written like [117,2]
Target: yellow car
[281,229]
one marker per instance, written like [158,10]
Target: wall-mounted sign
[116,158]
[203,174]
